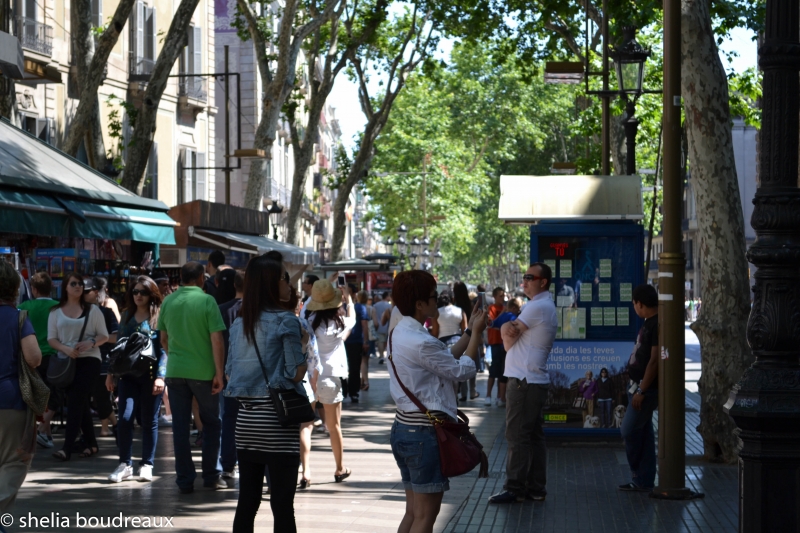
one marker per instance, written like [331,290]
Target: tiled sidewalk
[583,496]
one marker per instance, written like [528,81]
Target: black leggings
[355,351]
[79,415]
[282,483]
[102,398]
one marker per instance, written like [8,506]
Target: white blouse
[68,330]
[330,342]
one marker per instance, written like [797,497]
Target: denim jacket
[279,341]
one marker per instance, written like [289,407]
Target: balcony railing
[280,194]
[140,68]
[35,35]
[194,87]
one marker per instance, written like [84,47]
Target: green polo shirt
[39,313]
[190,316]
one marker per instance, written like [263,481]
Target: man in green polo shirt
[191,329]
[39,312]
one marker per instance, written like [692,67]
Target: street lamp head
[413,256]
[437,258]
[415,245]
[401,245]
[629,62]
[426,241]
[402,230]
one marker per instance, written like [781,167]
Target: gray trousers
[17,446]
[526,468]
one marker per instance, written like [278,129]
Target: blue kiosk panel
[595,267]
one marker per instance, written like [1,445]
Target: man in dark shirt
[215,260]
[356,345]
[230,406]
[637,426]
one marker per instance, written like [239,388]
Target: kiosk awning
[256,244]
[45,192]
[528,199]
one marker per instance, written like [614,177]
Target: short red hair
[411,286]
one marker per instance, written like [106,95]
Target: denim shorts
[416,451]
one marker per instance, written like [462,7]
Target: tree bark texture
[142,139]
[91,62]
[277,87]
[618,149]
[721,327]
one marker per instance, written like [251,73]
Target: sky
[344,96]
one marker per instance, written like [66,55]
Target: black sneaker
[537,496]
[633,487]
[506,497]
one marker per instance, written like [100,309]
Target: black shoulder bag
[291,406]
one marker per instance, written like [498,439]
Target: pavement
[582,481]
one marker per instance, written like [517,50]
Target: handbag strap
[85,321]
[410,395]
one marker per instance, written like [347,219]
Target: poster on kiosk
[588,230]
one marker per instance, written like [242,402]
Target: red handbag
[459,449]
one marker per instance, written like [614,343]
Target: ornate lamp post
[629,64]
[765,403]
[274,217]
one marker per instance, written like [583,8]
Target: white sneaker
[233,474]
[500,404]
[165,421]
[122,472]
[488,401]
[146,473]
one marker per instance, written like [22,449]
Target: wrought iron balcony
[194,87]
[140,68]
[35,36]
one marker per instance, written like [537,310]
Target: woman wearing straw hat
[331,327]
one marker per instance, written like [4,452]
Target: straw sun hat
[324,296]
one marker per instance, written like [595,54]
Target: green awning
[40,214]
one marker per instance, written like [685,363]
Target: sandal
[89,451]
[304,483]
[474,395]
[365,387]
[61,456]
[341,477]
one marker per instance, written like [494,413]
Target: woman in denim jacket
[267,319]
[142,304]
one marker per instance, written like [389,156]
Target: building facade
[48,98]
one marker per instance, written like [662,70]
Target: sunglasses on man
[531,277]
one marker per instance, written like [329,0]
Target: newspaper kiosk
[586,228]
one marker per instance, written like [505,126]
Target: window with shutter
[150,35]
[138,29]
[97,13]
[29,9]
[200,177]
[189,175]
[43,129]
[151,185]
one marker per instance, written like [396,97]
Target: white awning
[529,199]
[256,244]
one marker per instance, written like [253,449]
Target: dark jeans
[606,416]
[282,483]
[526,468]
[137,393]
[230,411]
[640,439]
[181,392]
[79,415]
[102,398]
[355,351]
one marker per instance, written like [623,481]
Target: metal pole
[227,133]
[672,265]
[765,403]
[605,144]
[631,127]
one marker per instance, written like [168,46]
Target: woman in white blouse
[64,328]
[429,370]
[325,314]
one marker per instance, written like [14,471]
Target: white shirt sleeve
[436,357]
[52,325]
[531,315]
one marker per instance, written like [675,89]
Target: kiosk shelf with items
[594,245]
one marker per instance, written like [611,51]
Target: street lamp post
[765,403]
[629,62]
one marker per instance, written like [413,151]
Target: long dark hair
[261,292]
[327,315]
[461,298]
[65,297]
[155,299]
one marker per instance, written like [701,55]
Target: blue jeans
[230,410]
[181,392]
[640,439]
[416,452]
[137,393]
[606,417]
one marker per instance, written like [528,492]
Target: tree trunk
[618,149]
[722,324]
[142,139]
[91,62]
[303,152]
